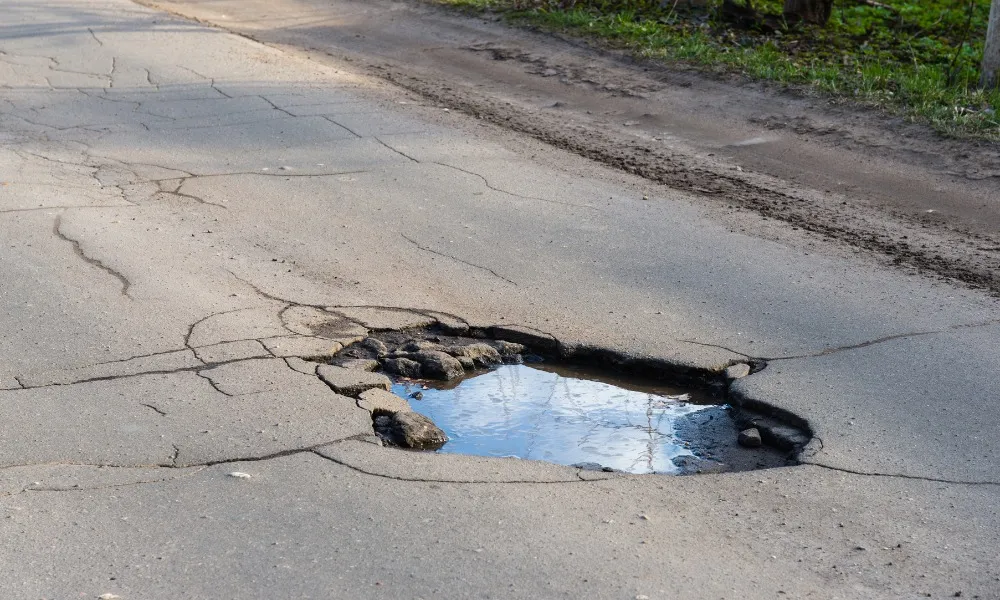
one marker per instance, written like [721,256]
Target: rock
[749,438]
[438,365]
[379,401]
[513,359]
[449,324]
[785,437]
[467,363]
[737,371]
[525,335]
[358,364]
[404,367]
[352,382]
[482,355]
[421,346]
[506,348]
[409,430]
[375,345]
[417,395]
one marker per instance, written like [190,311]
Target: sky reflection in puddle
[528,412]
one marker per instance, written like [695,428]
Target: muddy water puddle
[571,416]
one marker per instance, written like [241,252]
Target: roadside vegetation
[917,58]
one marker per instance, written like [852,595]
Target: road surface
[180,204]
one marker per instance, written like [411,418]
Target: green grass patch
[919,59]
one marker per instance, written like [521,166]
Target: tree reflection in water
[527,412]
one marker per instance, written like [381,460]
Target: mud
[899,191]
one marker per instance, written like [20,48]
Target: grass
[918,58]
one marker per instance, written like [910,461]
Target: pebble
[737,371]
[749,438]
[240,475]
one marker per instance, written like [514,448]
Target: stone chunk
[404,367]
[358,364]
[382,402]
[532,337]
[506,348]
[482,355]
[375,345]
[749,438]
[449,324]
[351,382]
[421,346]
[410,430]
[438,365]
[737,371]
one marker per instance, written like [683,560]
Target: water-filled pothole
[576,417]
[494,397]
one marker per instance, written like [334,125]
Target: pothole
[480,394]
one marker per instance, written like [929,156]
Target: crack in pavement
[94,35]
[900,475]
[215,386]
[285,174]
[707,345]
[63,208]
[192,197]
[489,185]
[78,249]
[192,369]
[218,125]
[288,303]
[153,407]
[31,488]
[865,344]
[279,109]
[580,478]
[888,338]
[399,152]
[136,357]
[200,465]
[341,125]
[210,80]
[456,259]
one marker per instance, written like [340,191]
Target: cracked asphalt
[187,213]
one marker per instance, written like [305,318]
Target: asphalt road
[179,204]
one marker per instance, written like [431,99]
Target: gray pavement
[181,207]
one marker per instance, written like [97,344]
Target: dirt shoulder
[897,190]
